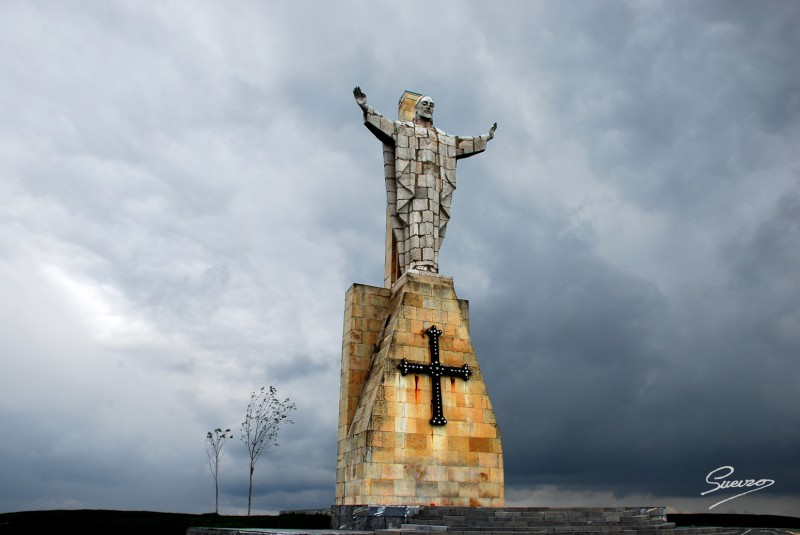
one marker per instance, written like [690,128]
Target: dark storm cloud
[567,355]
[772,239]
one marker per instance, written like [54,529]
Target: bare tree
[214,442]
[262,422]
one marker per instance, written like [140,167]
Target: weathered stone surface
[388,452]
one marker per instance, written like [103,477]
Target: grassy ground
[95,522]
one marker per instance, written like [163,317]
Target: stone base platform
[416,426]
[423,520]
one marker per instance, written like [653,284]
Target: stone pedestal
[388,451]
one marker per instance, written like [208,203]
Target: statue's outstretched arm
[379,125]
[470,146]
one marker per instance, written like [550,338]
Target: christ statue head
[424,109]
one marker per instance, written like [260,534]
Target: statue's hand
[491,131]
[361,98]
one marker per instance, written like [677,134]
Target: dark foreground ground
[93,522]
[102,522]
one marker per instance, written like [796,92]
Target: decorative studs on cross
[435,370]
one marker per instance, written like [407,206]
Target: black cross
[435,370]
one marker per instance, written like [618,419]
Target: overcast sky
[187,190]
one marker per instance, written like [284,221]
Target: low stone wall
[371,517]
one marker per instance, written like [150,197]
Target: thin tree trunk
[216,496]
[250,490]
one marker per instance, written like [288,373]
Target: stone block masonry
[388,451]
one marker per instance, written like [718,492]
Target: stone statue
[420,173]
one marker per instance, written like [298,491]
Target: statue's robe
[420,173]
